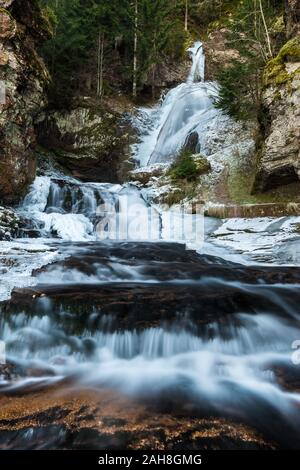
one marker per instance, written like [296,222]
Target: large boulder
[191,142]
[23,76]
[90,141]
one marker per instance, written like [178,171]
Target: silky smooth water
[228,367]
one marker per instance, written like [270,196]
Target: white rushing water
[197,73]
[230,368]
[74,211]
[185,109]
[41,339]
[64,208]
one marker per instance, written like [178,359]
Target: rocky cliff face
[23,76]
[292,17]
[91,141]
[279,158]
[217,52]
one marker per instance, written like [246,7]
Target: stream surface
[195,319]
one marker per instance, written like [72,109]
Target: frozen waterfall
[184,110]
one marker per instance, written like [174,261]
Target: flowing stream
[186,323]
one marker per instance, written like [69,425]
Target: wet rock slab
[144,285]
[168,283]
[66,419]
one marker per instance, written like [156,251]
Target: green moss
[240,185]
[290,50]
[282,77]
[202,165]
[277,96]
[275,72]
[278,25]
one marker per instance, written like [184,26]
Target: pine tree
[83,26]
[88,32]
[158,32]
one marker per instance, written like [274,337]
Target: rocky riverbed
[150,345]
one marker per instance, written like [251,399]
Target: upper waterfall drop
[185,109]
[197,72]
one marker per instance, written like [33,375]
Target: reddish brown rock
[60,418]
[8,25]
[24,75]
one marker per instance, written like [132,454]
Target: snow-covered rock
[9,223]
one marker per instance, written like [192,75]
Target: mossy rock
[276,72]
[8,24]
[290,50]
[202,164]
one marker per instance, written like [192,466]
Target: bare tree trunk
[153,82]
[135,46]
[186,19]
[98,62]
[101,66]
[100,56]
[255,17]
[266,28]
[155,62]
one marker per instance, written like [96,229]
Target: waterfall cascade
[228,365]
[75,211]
[197,72]
[68,209]
[185,109]
[145,318]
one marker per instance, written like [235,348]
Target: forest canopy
[104,47]
[98,43]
